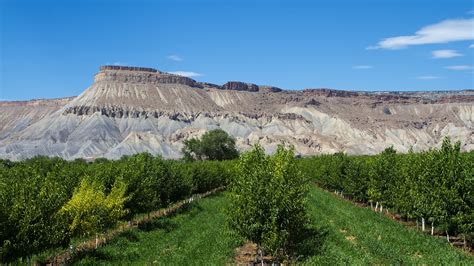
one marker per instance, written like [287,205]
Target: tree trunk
[432,228]
[371,206]
[96,240]
[447,235]
[377,206]
[259,255]
[381,208]
[422,224]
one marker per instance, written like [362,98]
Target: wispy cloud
[445,54]
[188,74]
[117,63]
[174,57]
[362,67]
[442,32]
[471,46]
[459,68]
[428,77]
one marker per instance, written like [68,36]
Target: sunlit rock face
[131,109]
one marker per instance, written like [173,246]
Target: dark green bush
[213,145]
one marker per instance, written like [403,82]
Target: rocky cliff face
[128,110]
[141,75]
[240,86]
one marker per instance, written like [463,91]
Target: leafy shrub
[90,210]
[268,198]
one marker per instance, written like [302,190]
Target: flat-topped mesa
[129,68]
[145,75]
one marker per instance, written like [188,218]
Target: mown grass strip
[93,243]
[195,235]
[198,235]
[356,235]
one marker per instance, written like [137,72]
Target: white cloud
[460,67]
[175,57]
[428,77]
[445,53]
[362,67]
[471,46]
[188,74]
[442,32]
[117,63]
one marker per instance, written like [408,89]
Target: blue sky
[53,48]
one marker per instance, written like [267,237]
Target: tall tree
[213,145]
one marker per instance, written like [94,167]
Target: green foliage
[268,201]
[383,177]
[91,211]
[436,185]
[213,145]
[349,235]
[45,202]
[31,193]
[146,182]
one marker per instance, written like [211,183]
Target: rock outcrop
[240,86]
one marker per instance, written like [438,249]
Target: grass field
[349,235]
[196,235]
[360,236]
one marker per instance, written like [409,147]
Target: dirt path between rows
[247,255]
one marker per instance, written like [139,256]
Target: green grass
[196,235]
[356,235]
[348,235]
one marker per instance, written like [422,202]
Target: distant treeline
[436,186]
[45,202]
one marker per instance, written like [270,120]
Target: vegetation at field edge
[360,236]
[348,234]
[195,235]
